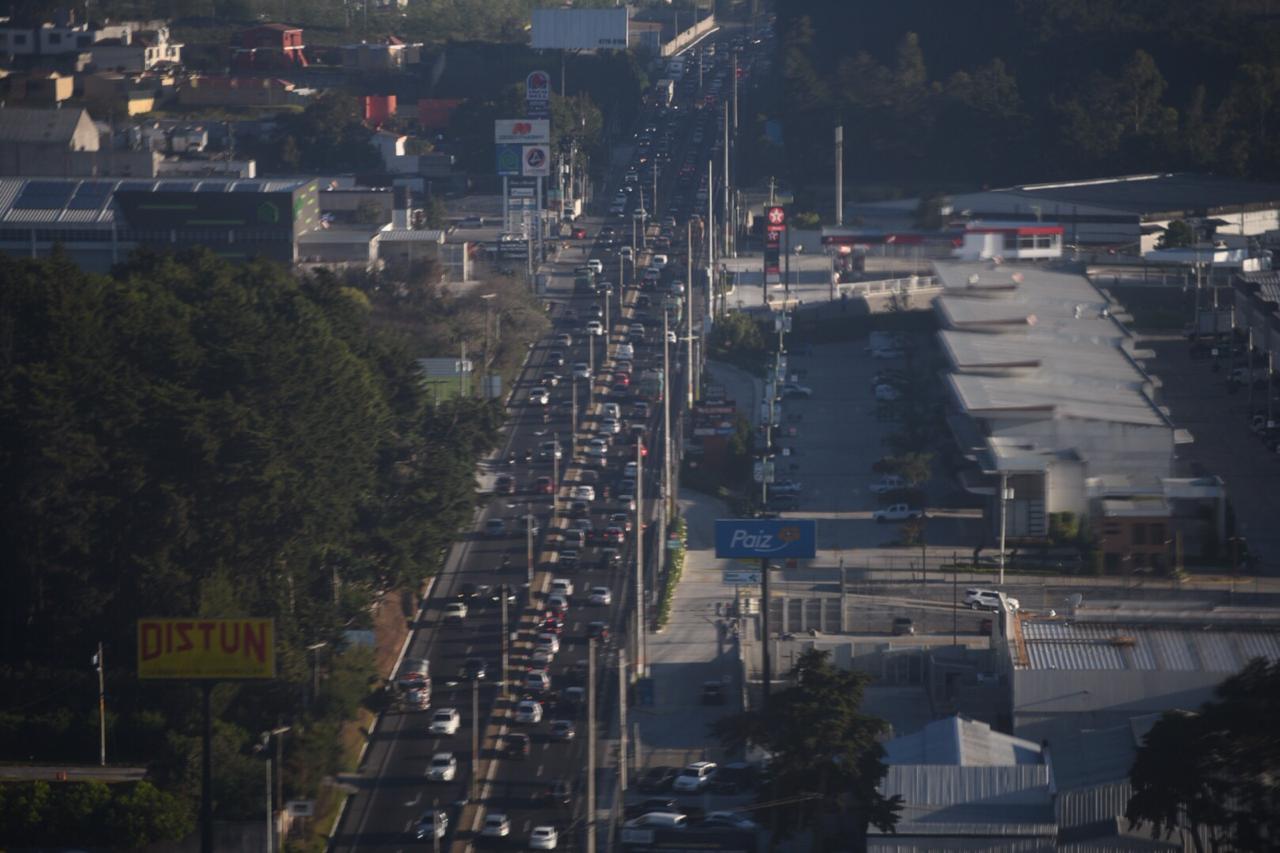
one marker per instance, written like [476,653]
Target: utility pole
[641,661]
[735,91]
[591,745]
[555,493]
[728,224]
[475,741]
[669,502]
[844,596]
[102,708]
[622,720]
[1004,485]
[839,174]
[688,311]
[506,650]
[711,243]
[528,534]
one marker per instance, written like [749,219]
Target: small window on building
[19,38]
[1044,241]
[1157,534]
[1111,562]
[83,41]
[1139,532]
[55,38]
[1010,242]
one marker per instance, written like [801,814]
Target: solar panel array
[91,195]
[44,195]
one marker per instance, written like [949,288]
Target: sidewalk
[689,650]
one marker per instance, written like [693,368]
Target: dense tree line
[1211,774]
[189,436]
[968,94]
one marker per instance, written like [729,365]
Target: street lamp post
[488,302]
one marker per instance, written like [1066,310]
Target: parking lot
[835,436]
[1200,401]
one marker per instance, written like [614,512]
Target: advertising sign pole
[206,771]
[765,669]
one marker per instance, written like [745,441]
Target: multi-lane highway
[543,783]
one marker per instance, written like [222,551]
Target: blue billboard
[766,538]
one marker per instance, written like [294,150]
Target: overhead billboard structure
[580,29]
[765,539]
[198,648]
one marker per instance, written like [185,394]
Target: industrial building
[99,222]
[965,786]
[1090,682]
[1126,213]
[1052,405]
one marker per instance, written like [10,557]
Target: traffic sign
[739,578]
[777,216]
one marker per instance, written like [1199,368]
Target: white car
[671,337]
[541,657]
[989,599]
[595,328]
[443,767]
[537,681]
[528,711]
[550,642]
[601,596]
[496,826]
[609,426]
[595,265]
[581,370]
[455,611]
[557,603]
[897,512]
[445,721]
[611,410]
[659,261]
[433,823]
[561,586]
[887,393]
[625,352]
[694,777]
[597,447]
[888,483]
[625,252]
[583,493]
[543,838]
[539,397]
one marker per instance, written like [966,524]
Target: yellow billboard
[206,648]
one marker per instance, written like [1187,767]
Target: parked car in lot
[657,779]
[897,512]
[733,778]
[694,777]
[887,483]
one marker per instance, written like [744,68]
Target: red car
[542,486]
[622,379]
[579,233]
[614,535]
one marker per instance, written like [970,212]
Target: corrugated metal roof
[1066,645]
[960,741]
